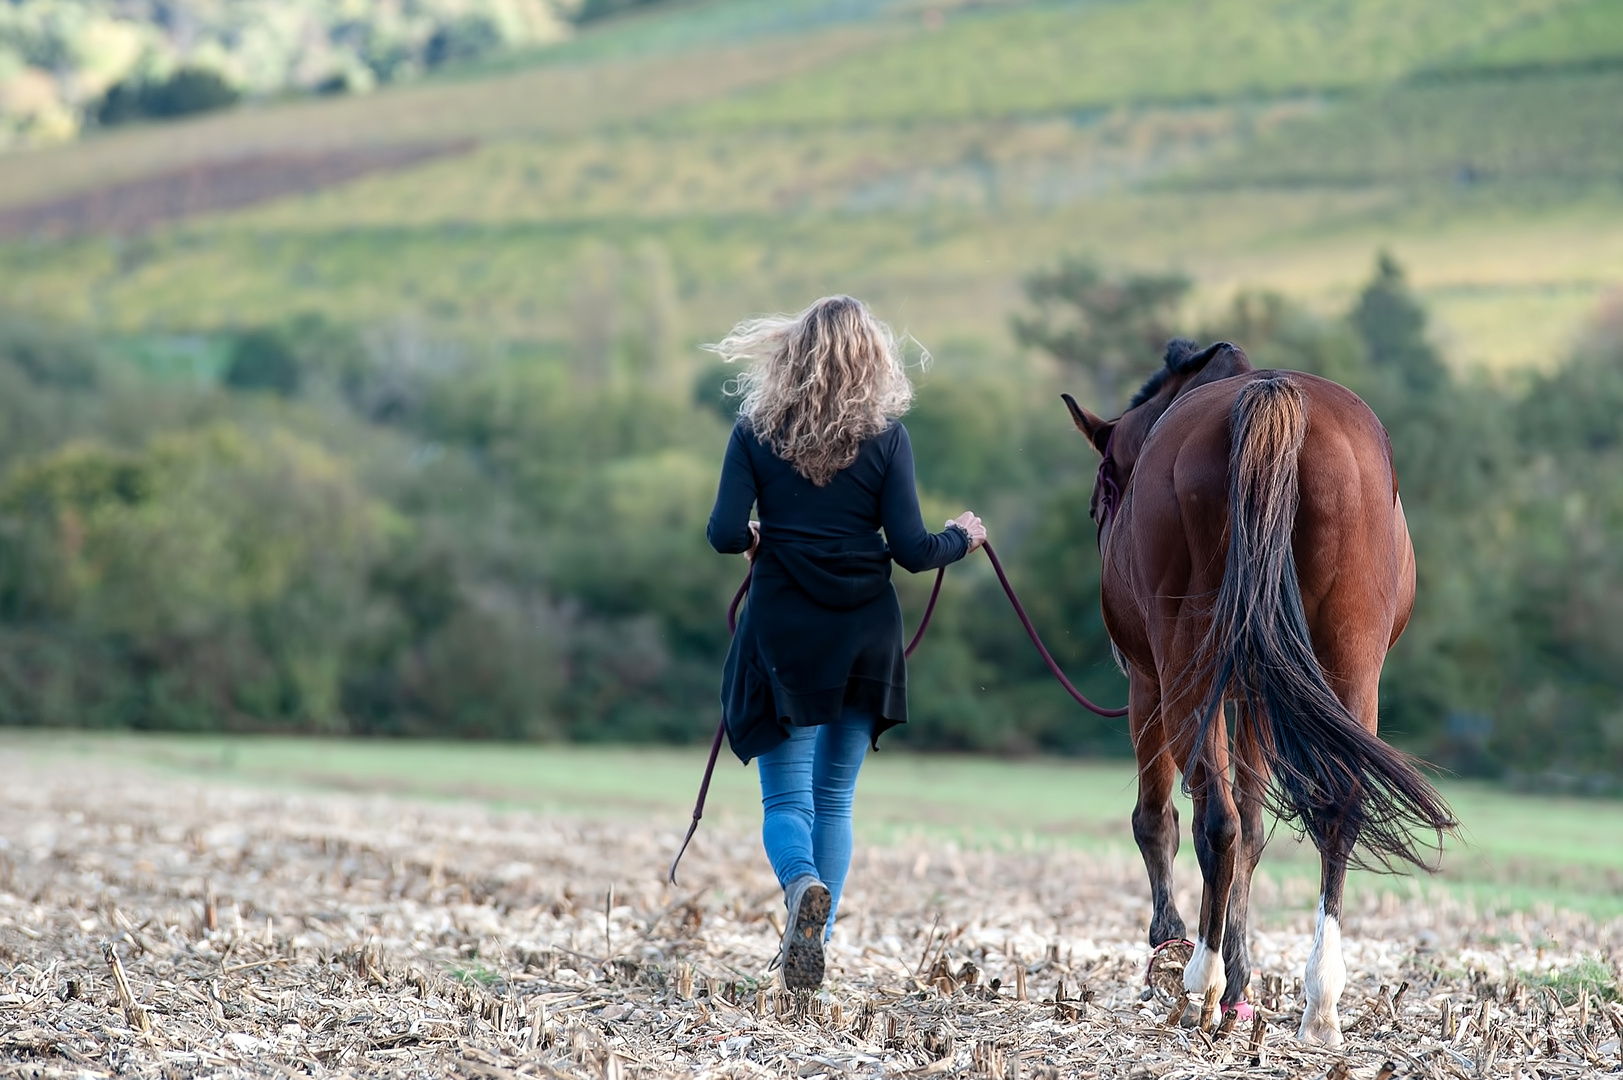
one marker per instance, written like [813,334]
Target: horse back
[1353,560]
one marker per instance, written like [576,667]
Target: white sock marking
[1325,979]
[1204,971]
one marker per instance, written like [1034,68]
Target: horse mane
[1182,357]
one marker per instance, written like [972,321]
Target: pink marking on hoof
[1242,1011]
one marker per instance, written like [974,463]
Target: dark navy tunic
[822,629]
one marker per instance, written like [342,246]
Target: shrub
[460,40]
[601,9]
[188,90]
[263,360]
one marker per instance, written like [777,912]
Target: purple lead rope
[1042,650]
[918,636]
[721,730]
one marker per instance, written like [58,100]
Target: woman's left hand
[755,541]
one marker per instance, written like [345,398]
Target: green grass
[1589,975]
[698,25]
[1063,57]
[551,100]
[1560,129]
[641,174]
[1588,33]
[775,152]
[1516,852]
[476,974]
[1520,278]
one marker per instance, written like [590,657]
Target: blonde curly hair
[818,384]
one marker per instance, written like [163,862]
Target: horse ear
[1222,360]
[1096,429]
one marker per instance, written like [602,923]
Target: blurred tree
[394,374]
[591,10]
[121,104]
[1576,411]
[51,385]
[1447,434]
[710,387]
[467,37]
[186,91]
[637,519]
[48,355]
[1392,323]
[1101,325]
[1565,705]
[433,537]
[969,437]
[263,359]
[220,569]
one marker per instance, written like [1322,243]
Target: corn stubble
[160,927]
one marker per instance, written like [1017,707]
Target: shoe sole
[803,962]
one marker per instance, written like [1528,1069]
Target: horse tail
[1332,778]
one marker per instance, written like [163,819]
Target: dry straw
[168,928]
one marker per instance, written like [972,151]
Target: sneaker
[808,902]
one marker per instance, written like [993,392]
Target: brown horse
[1255,552]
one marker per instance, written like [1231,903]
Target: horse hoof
[1324,1032]
[1166,967]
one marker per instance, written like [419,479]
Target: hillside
[924,155]
[71,65]
[382,413]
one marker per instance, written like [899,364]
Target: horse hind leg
[1326,975]
[1250,788]
[1216,830]
[1155,818]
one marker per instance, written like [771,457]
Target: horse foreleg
[1155,819]
[1326,974]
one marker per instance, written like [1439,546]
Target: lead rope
[918,636]
[1042,650]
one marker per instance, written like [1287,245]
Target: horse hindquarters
[1327,771]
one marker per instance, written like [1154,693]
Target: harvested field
[169,927]
[134,205]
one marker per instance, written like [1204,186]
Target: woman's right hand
[973,526]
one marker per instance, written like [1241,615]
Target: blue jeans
[807,786]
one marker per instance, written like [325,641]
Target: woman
[816,670]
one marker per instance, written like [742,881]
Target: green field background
[1515,852]
[922,155]
[587,214]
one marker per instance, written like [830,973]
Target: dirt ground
[163,927]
